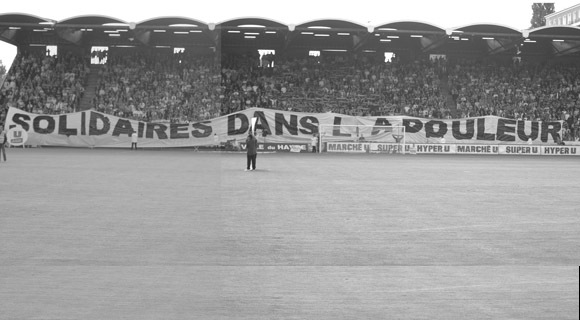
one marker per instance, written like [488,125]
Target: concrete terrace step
[91,87]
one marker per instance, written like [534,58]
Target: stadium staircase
[91,87]
[444,87]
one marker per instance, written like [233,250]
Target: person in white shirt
[216,141]
[134,140]
[314,142]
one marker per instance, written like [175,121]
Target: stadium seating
[338,84]
[156,87]
[44,84]
[179,87]
[525,91]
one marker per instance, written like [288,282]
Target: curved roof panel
[169,21]
[556,31]
[487,28]
[22,18]
[252,21]
[91,20]
[410,25]
[331,23]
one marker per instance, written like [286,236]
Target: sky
[442,13]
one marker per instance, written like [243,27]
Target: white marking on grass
[487,285]
[485,225]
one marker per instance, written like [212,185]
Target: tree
[2,72]
[540,11]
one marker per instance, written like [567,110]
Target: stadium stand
[155,87]
[518,90]
[44,84]
[432,77]
[342,84]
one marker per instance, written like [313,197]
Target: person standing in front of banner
[216,141]
[252,151]
[3,140]
[314,142]
[134,140]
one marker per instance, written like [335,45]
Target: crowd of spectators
[42,83]
[353,85]
[518,90]
[181,87]
[156,87]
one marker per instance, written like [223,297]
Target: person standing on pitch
[314,142]
[252,150]
[134,140]
[216,141]
[3,140]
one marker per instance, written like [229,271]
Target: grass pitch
[176,234]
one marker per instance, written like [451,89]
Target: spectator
[182,87]
[44,84]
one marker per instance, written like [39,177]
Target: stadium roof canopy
[261,33]
[557,41]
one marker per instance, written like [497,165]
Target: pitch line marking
[483,286]
[486,225]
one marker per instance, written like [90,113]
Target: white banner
[95,129]
[476,149]
[520,150]
[435,148]
[386,148]
[560,150]
[348,147]
[366,147]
